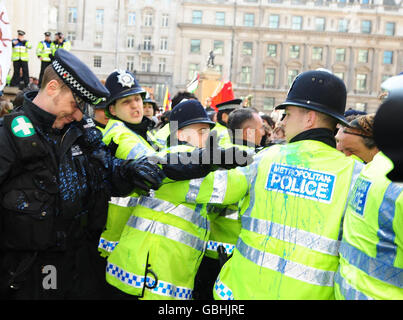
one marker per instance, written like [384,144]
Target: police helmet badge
[125,79]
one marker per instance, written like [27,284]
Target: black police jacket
[53,183]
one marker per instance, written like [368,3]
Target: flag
[167,100]
[223,93]
[193,84]
[5,45]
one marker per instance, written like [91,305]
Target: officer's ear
[112,109]
[53,87]
[311,119]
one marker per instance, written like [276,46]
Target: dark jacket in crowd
[53,188]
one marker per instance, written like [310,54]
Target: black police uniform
[53,186]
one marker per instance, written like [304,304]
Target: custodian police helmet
[122,84]
[320,91]
[189,112]
[388,131]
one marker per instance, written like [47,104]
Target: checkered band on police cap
[79,78]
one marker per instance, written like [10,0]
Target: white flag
[5,45]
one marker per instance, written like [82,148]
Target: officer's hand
[144,174]
[225,158]
[234,157]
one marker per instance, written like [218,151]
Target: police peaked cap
[47,34]
[148,99]
[388,132]
[122,84]
[79,78]
[189,112]
[320,91]
[21,33]
[229,105]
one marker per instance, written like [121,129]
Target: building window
[366,26]
[246,75]
[148,19]
[164,44]
[390,28]
[97,62]
[387,57]
[99,16]
[197,16]
[340,54]
[249,19]
[340,75]
[130,41]
[247,48]
[272,50]
[72,15]
[130,63]
[71,36]
[218,47]
[320,24]
[162,65]
[193,68]
[363,56]
[361,82]
[98,39]
[147,43]
[296,23]
[268,103]
[317,53]
[291,76]
[146,64]
[343,25]
[195,46]
[131,18]
[294,51]
[269,77]
[220,18]
[165,20]
[274,21]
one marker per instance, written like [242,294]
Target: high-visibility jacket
[66,45]
[44,50]
[129,146]
[223,137]
[293,199]
[20,50]
[371,251]
[225,223]
[160,137]
[162,244]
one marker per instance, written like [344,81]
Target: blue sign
[301,182]
[359,195]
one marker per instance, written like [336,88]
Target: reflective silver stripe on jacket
[293,235]
[180,211]
[124,202]
[194,188]
[167,231]
[219,186]
[288,268]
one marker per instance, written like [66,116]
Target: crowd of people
[126,202]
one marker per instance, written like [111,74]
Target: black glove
[144,174]
[200,162]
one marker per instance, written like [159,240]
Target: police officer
[127,135]
[44,53]
[294,197]
[168,237]
[100,118]
[370,264]
[150,109]
[60,43]
[20,59]
[246,131]
[224,109]
[55,174]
